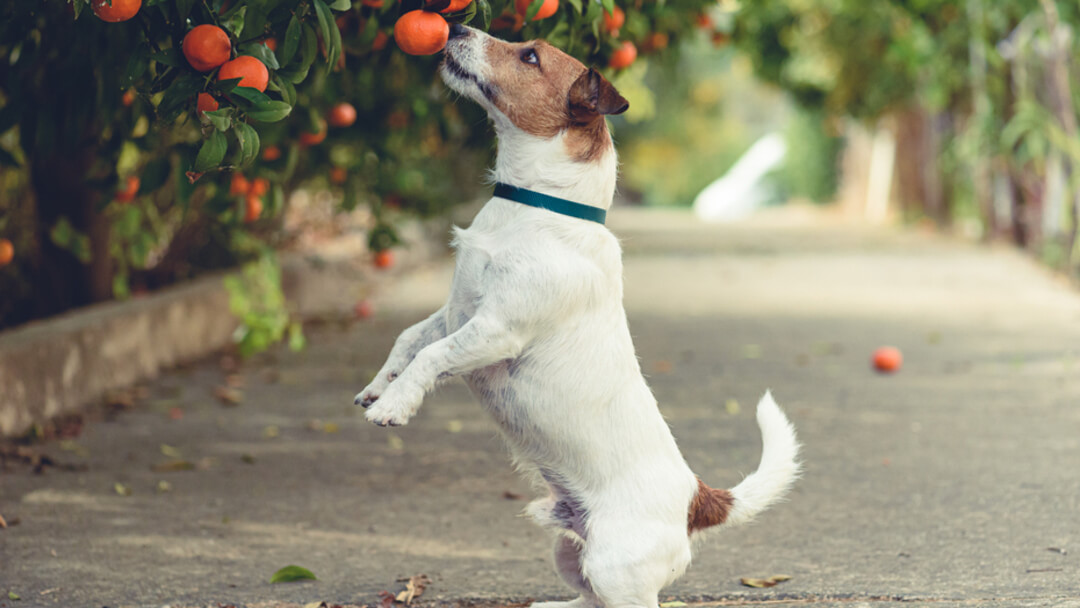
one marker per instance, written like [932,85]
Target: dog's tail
[764,487]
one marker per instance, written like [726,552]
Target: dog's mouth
[456,70]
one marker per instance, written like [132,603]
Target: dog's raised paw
[365,399]
[383,417]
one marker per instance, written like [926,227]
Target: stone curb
[60,365]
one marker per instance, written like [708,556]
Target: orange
[657,41]
[128,98]
[239,184]
[7,252]
[338,175]
[704,21]
[270,43]
[547,9]
[259,186]
[271,153]
[121,10]
[253,208]
[720,39]
[888,359]
[251,72]
[623,56]
[614,21]
[206,47]
[131,188]
[421,33]
[455,6]
[363,309]
[342,115]
[206,103]
[307,138]
[380,41]
[372,3]
[384,259]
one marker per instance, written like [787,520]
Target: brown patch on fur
[554,95]
[710,507]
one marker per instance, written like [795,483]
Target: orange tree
[143,141]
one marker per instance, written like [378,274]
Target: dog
[536,327]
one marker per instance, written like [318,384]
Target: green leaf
[286,88]
[609,6]
[485,14]
[154,175]
[170,56]
[261,52]
[178,96]
[221,118]
[235,22]
[289,574]
[534,8]
[576,4]
[136,67]
[269,111]
[248,138]
[292,40]
[6,158]
[250,95]
[13,596]
[326,24]
[296,340]
[183,7]
[341,5]
[212,151]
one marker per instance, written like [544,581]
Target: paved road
[953,482]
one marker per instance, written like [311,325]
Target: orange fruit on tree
[421,32]
[704,21]
[338,175]
[657,41]
[380,41]
[384,258]
[342,115]
[120,10]
[206,103]
[206,47]
[888,359]
[270,43]
[239,184]
[455,6]
[372,3]
[547,9]
[253,208]
[7,252]
[614,21]
[251,72]
[623,56]
[131,188]
[259,186]
[271,153]
[307,138]
[128,98]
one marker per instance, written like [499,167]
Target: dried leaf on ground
[761,583]
[271,431]
[163,487]
[396,444]
[170,451]
[235,380]
[229,396]
[414,588]
[122,489]
[662,367]
[173,466]
[13,596]
[508,495]
[386,599]
[315,605]
[732,407]
[247,459]
[289,574]
[3,522]
[455,426]
[672,604]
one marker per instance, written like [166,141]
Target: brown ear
[592,95]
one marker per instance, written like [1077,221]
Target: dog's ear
[592,95]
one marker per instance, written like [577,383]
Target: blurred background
[957,116]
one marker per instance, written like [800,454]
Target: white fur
[536,327]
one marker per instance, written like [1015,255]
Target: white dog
[536,327]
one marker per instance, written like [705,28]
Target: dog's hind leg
[568,565]
[628,564]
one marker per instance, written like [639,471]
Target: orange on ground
[384,259]
[614,21]
[206,47]
[206,103]
[253,208]
[131,188]
[239,184]
[455,6]
[623,56]
[128,98]
[251,72]
[363,309]
[888,359]
[342,115]
[259,186]
[7,252]
[121,10]
[271,153]
[547,9]
[421,33]
[338,175]
[308,138]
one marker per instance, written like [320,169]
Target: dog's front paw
[371,392]
[395,407]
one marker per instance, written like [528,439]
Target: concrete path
[953,482]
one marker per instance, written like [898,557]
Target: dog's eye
[529,56]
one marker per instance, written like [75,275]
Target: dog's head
[533,87]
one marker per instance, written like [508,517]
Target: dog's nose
[457,30]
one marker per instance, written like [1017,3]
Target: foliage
[256,299]
[88,104]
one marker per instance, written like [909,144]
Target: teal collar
[551,203]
